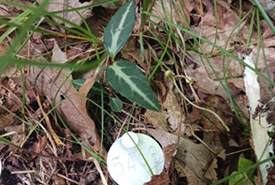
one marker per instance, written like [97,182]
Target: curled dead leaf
[170,118]
[55,85]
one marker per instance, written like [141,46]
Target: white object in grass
[126,164]
[258,120]
[129,142]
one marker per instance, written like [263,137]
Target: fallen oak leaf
[161,179]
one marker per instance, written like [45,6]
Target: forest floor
[210,64]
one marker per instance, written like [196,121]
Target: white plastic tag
[125,163]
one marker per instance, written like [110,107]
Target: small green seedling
[245,178]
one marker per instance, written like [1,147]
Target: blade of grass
[250,30]
[121,125]
[45,13]
[261,46]
[147,6]
[217,47]
[21,34]
[83,67]
[17,20]
[266,17]
[252,167]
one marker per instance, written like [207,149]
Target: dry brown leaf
[171,112]
[161,179]
[184,171]
[131,51]
[10,95]
[219,106]
[58,55]
[169,152]
[163,137]
[271,176]
[48,122]
[268,6]
[203,75]
[4,46]
[6,10]
[158,119]
[39,146]
[211,173]
[47,82]
[6,120]
[196,156]
[73,16]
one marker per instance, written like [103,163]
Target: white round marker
[129,140]
[125,163]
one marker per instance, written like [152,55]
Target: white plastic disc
[127,166]
[129,140]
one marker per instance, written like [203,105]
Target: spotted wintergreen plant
[119,29]
[124,76]
[129,81]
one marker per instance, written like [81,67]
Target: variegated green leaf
[120,28]
[128,80]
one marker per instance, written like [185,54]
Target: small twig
[55,137]
[22,172]
[202,142]
[67,178]
[97,165]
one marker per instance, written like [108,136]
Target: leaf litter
[197,148]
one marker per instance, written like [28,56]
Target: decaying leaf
[48,122]
[268,6]
[185,172]
[211,173]
[161,179]
[196,156]
[52,83]
[73,16]
[203,74]
[171,116]
[6,120]
[58,55]
[10,95]
[169,152]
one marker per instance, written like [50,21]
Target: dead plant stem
[198,107]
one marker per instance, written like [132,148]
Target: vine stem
[197,106]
